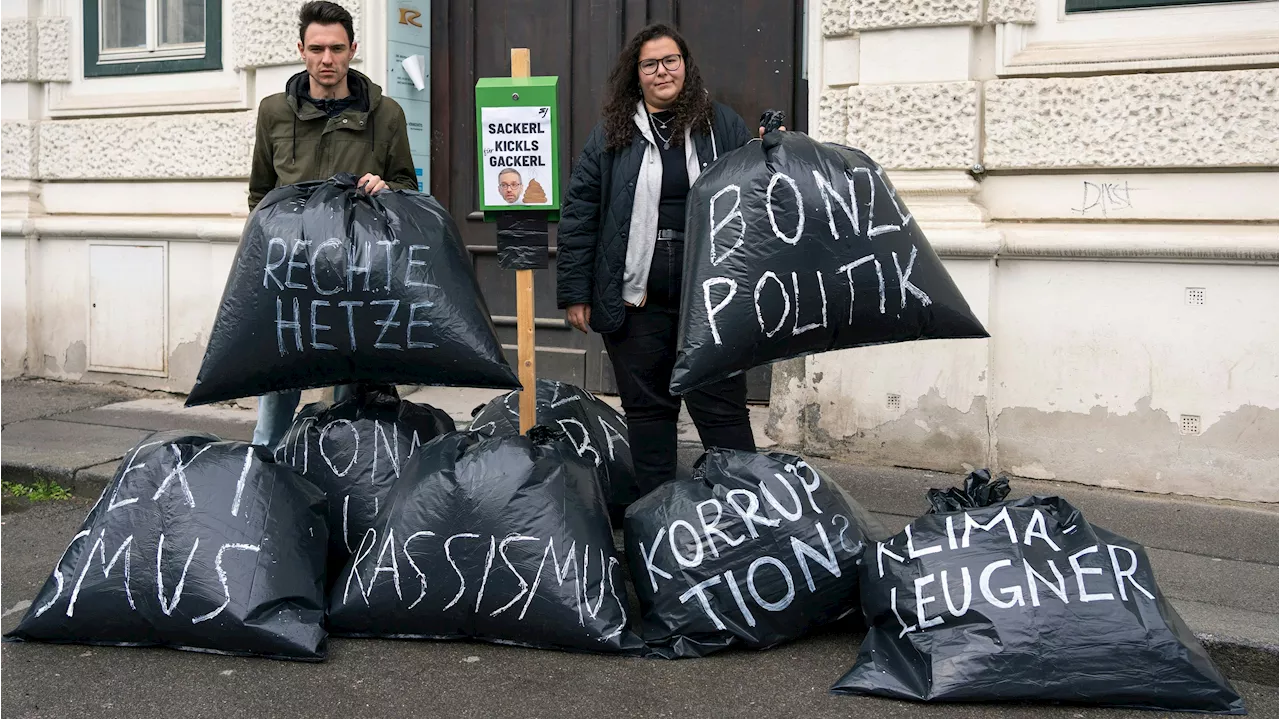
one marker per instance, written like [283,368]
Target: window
[1074,6]
[140,37]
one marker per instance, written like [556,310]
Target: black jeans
[643,353]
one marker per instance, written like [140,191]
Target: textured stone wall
[833,115]
[1191,119]
[17,150]
[1019,11]
[53,49]
[17,50]
[265,32]
[840,17]
[169,147]
[921,126]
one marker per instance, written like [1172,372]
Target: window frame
[94,66]
[1072,7]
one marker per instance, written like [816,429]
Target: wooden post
[524,302]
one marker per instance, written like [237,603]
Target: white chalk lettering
[282,324]
[748,513]
[408,270]
[809,489]
[828,193]
[786,599]
[586,581]
[737,598]
[984,585]
[422,578]
[561,573]
[267,272]
[386,324]
[848,270]
[611,435]
[903,215]
[675,545]
[893,604]
[881,551]
[873,230]
[804,554]
[844,543]
[914,553]
[388,547]
[392,445]
[99,546]
[970,524]
[293,255]
[355,446]
[222,577]
[488,564]
[951,533]
[370,538]
[796,329]
[791,515]
[904,280]
[167,606]
[1080,571]
[179,472]
[712,311]
[350,306]
[387,245]
[711,526]
[1037,520]
[115,503]
[316,327]
[968,592]
[414,322]
[773,222]
[717,226]
[354,255]
[700,591]
[786,303]
[524,585]
[648,554]
[583,446]
[315,281]
[57,573]
[1059,589]
[244,475]
[1123,574]
[922,600]
[462,580]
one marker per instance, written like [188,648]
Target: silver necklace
[666,141]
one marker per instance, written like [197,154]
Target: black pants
[643,353]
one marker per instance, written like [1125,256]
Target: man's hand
[780,129]
[579,317]
[371,184]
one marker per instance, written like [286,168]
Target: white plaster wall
[13,306]
[58,295]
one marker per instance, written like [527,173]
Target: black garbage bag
[597,430]
[333,286]
[196,544]
[1025,600]
[354,451]
[795,247]
[978,491]
[753,550]
[503,539]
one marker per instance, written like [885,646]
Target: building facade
[1099,176]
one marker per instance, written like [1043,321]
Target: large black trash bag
[196,544]
[333,286]
[753,550]
[1025,600]
[597,430]
[354,451]
[978,491]
[796,247]
[504,539]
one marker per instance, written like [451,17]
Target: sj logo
[409,16]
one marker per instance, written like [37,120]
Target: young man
[329,119]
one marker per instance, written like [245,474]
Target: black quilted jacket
[596,216]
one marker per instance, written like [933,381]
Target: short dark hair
[325,13]
[510,171]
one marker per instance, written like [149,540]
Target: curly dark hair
[692,106]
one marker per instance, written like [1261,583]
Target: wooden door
[749,53]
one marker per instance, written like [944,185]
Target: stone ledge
[841,17]
[1167,120]
[169,147]
[18,154]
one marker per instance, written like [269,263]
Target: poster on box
[516,148]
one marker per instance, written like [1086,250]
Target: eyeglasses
[671,62]
[509,185]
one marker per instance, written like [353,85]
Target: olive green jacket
[296,141]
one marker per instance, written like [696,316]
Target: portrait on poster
[516,150]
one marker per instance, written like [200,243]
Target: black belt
[675,235]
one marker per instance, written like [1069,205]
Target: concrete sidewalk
[1216,560]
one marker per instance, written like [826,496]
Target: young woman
[621,243]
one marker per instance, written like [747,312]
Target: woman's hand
[579,317]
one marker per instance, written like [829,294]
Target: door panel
[748,57]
